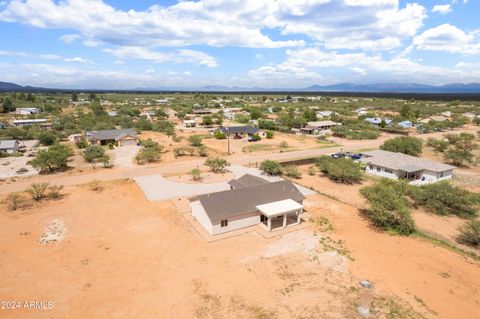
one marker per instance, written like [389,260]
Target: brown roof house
[250,201]
[121,137]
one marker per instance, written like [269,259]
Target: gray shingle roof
[8,144]
[110,134]
[235,202]
[239,129]
[247,180]
[399,161]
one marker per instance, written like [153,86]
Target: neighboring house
[446,113]
[189,123]
[9,146]
[436,118]
[121,137]
[20,123]
[27,110]
[74,138]
[318,127]
[112,113]
[230,112]
[251,201]
[405,124]
[362,110]
[322,114]
[242,131]
[202,111]
[377,121]
[469,115]
[401,166]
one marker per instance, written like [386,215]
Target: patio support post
[269,223]
[284,221]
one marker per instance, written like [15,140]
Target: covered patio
[280,214]
[410,172]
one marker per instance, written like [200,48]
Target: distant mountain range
[452,88]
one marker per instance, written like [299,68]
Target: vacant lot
[122,256]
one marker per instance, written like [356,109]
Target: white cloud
[352,24]
[14,53]
[70,38]
[448,38]
[150,71]
[442,8]
[78,59]
[306,65]
[50,56]
[179,56]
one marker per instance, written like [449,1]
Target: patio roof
[279,207]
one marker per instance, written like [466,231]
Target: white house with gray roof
[9,146]
[401,166]
[251,201]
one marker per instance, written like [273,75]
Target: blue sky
[107,44]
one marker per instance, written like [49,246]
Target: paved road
[186,166]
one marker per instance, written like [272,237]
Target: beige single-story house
[121,137]
[251,201]
[27,122]
[318,127]
[74,138]
[189,123]
[401,166]
[242,131]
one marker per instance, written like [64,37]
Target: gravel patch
[54,232]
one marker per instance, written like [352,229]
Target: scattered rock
[363,311]
[54,232]
[366,284]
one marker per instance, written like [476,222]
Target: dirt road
[20,184]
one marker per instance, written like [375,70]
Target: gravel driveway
[123,156]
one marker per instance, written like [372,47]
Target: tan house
[120,137]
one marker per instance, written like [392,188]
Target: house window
[389,171]
[379,169]
[441,174]
[371,167]
[263,218]
[224,223]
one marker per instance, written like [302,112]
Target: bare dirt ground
[206,178]
[120,256]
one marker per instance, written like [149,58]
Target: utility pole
[228,139]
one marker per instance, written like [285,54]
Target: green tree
[195,140]
[341,170]
[438,145]
[219,135]
[7,106]
[457,156]
[271,167]
[403,144]
[207,120]
[96,154]
[388,208]
[47,138]
[196,174]
[217,165]
[470,233]
[445,199]
[51,159]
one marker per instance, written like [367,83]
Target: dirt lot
[122,256]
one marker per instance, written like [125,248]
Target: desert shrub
[195,174]
[470,233]
[219,135]
[47,138]
[283,144]
[195,140]
[51,159]
[202,151]
[93,153]
[15,201]
[82,143]
[38,191]
[217,165]
[457,156]
[445,199]
[149,153]
[269,134]
[292,171]
[341,170]
[388,208]
[255,137]
[403,144]
[438,145]
[182,151]
[271,167]
[54,191]
[312,170]
[95,186]
[356,131]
